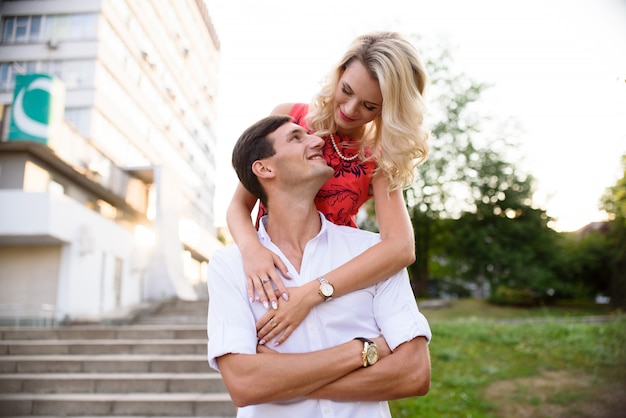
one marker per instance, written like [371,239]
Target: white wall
[89,246]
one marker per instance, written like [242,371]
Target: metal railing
[27,315]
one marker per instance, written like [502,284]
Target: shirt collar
[265,238]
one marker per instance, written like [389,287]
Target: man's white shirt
[386,308]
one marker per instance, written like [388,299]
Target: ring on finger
[264,281]
[273,323]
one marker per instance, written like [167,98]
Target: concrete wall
[94,273]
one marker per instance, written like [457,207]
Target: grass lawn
[484,367]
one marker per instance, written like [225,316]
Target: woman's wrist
[313,293]
[247,245]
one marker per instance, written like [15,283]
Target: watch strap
[366,343]
[324,283]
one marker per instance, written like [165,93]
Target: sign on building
[38,105]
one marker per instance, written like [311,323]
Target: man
[351,353]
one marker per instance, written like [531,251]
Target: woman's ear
[262,169]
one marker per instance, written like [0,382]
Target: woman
[370,114]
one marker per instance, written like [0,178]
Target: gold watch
[369,353]
[326,289]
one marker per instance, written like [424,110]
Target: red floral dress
[340,198]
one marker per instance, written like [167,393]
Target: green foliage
[515,251]
[614,199]
[475,224]
[614,203]
[617,286]
[434,195]
[584,264]
[471,209]
[514,297]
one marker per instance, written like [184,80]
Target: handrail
[23,314]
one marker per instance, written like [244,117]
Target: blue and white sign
[38,105]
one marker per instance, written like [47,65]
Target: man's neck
[291,226]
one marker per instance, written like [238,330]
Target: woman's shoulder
[282,109]
[297,110]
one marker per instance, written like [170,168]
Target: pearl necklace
[343,157]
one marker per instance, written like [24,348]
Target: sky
[558,67]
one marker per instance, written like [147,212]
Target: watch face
[327,290]
[372,354]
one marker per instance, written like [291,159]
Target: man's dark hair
[254,144]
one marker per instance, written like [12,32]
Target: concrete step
[176,332]
[157,368]
[117,404]
[178,305]
[173,320]
[102,346]
[195,310]
[111,383]
[122,363]
[176,312]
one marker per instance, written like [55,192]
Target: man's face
[298,156]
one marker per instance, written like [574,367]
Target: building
[108,204]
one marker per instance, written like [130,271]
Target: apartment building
[107,155]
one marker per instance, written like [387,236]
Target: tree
[614,203]
[584,263]
[504,242]
[471,208]
[431,198]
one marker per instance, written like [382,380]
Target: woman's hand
[262,349]
[290,313]
[259,263]
[262,266]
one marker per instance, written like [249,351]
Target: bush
[514,297]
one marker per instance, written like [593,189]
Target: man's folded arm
[272,377]
[404,373]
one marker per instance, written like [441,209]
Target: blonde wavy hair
[396,137]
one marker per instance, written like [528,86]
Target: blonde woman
[370,114]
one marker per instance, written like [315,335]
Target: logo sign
[37,111]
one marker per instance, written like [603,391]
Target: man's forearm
[404,373]
[273,377]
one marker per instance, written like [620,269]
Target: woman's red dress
[340,198]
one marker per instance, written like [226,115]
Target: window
[74,73]
[71,27]
[40,28]
[80,118]
[21,29]
[56,188]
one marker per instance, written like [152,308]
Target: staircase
[177,312]
[155,366]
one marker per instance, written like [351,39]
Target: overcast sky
[557,66]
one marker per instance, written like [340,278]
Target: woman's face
[358,99]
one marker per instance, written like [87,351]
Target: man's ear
[262,169]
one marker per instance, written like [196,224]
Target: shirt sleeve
[397,313]
[230,323]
